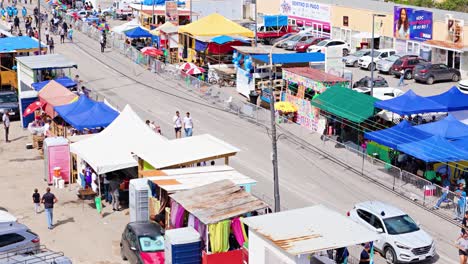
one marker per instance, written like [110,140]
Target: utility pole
[39,25]
[256,25]
[191,20]
[274,139]
[372,67]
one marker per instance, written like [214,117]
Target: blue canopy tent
[461,143]
[81,105]
[222,39]
[448,128]
[285,58]
[410,103]
[275,21]
[399,134]
[100,115]
[453,99]
[160,2]
[434,149]
[64,81]
[138,32]
[16,44]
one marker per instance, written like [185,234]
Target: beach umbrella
[152,51]
[195,70]
[187,66]
[33,107]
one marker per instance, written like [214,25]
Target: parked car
[366,61]
[382,93]
[352,59]
[329,43]
[430,73]
[463,86]
[401,238]
[291,44]
[142,242]
[14,235]
[303,46]
[379,81]
[406,64]
[9,101]
[281,38]
[385,65]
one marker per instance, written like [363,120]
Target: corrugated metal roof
[218,201]
[54,61]
[309,230]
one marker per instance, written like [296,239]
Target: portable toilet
[182,246]
[56,155]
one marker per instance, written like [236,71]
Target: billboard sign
[412,24]
[455,30]
[172,14]
[306,9]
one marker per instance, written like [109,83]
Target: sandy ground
[80,231]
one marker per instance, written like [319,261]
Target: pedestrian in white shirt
[6,124]
[94,182]
[177,121]
[188,125]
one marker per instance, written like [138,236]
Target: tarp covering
[111,149]
[399,134]
[167,28]
[127,26]
[410,103]
[64,81]
[215,25]
[160,2]
[99,115]
[49,61]
[83,104]
[54,94]
[275,21]
[13,44]
[346,103]
[453,99]
[138,32]
[222,39]
[449,128]
[286,58]
[434,149]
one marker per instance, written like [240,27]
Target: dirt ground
[80,232]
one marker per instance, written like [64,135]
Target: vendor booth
[33,69]
[301,236]
[301,85]
[53,94]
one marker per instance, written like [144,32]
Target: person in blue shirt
[24,12]
[15,11]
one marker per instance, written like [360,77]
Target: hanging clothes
[238,230]
[219,236]
[177,215]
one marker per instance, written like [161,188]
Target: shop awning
[289,58]
[346,103]
[138,32]
[64,81]
[448,128]
[309,230]
[399,134]
[434,149]
[50,61]
[453,99]
[15,44]
[54,94]
[215,25]
[440,44]
[410,103]
[226,199]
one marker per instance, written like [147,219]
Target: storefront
[304,13]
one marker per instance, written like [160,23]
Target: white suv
[401,239]
[366,61]
[329,43]
[16,236]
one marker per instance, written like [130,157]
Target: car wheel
[408,75]
[371,67]
[345,52]
[455,78]
[356,64]
[390,255]
[430,80]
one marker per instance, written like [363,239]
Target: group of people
[48,200]
[186,123]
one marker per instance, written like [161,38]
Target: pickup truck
[274,27]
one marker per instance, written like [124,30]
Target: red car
[302,46]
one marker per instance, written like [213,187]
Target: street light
[372,52]
[273,124]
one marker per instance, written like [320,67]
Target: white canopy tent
[111,149]
[126,26]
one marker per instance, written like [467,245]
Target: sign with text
[306,9]
[412,24]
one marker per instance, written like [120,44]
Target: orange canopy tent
[55,94]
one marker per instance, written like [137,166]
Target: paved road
[306,178]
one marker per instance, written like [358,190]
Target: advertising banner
[172,14]
[412,24]
[455,30]
[306,9]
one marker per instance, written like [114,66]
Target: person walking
[114,186]
[106,183]
[51,45]
[49,199]
[24,12]
[47,34]
[401,82]
[36,200]
[102,41]
[462,245]
[177,121]
[365,257]
[6,124]
[188,125]
[62,35]
[70,33]
[16,22]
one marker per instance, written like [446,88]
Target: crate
[38,141]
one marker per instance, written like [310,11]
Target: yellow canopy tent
[215,25]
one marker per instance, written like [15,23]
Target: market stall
[54,94]
[64,81]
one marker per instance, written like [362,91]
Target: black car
[9,101]
[142,243]
[379,81]
[431,72]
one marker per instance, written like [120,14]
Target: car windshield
[8,98]
[376,53]
[400,225]
[420,67]
[322,43]
[361,53]
[309,40]
[393,58]
[398,62]
[151,243]
[296,38]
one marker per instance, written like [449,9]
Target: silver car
[385,65]
[290,44]
[16,236]
[352,59]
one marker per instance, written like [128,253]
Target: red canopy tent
[54,94]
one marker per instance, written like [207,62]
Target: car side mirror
[379,230]
[133,248]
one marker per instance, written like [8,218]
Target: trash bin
[253,96]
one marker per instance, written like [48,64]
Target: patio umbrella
[103,27]
[195,70]
[187,66]
[152,51]
[33,107]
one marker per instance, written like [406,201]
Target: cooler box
[56,154]
[182,246]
